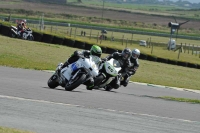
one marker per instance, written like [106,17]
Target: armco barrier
[79,44]
[5,30]
[58,40]
[162,60]
[88,46]
[104,49]
[143,56]
[47,38]
[68,42]
[198,66]
[110,50]
[151,58]
[182,63]
[172,62]
[37,36]
[191,65]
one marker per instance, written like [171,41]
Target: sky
[191,1]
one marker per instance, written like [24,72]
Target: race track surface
[27,103]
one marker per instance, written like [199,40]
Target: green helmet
[96,50]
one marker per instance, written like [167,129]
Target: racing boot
[90,84]
[125,81]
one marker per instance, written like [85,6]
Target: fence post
[189,49]
[123,40]
[90,32]
[199,51]
[185,48]
[126,42]
[152,49]
[101,38]
[75,32]
[97,37]
[196,49]
[56,28]
[150,42]
[192,49]
[179,51]
[111,38]
[51,29]
[70,32]
[132,39]
[147,41]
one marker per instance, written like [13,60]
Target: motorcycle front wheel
[52,82]
[30,38]
[75,83]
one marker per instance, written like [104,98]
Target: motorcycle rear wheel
[79,80]
[98,80]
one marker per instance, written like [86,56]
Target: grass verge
[181,99]
[12,130]
[42,56]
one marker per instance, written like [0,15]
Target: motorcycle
[109,70]
[27,34]
[76,73]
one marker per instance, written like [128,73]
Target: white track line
[109,110]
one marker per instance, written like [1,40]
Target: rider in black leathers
[132,68]
[124,59]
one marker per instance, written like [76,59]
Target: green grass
[12,130]
[42,56]
[181,99]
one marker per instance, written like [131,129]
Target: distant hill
[48,1]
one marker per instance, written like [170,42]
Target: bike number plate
[74,67]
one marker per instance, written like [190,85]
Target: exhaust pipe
[14,32]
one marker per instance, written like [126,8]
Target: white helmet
[135,53]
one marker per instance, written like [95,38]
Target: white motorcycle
[108,71]
[76,73]
[27,34]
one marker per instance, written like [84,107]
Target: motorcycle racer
[95,50]
[21,27]
[124,60]
[132,68]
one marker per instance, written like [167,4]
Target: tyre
[75,83]
[52,82]
[98,80]
[108,88]
[30,38]
[13,35]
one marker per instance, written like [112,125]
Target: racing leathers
[75,56]
[131,69]
[124,65]
[21,27]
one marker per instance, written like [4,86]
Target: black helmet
[126,54]
[96,50]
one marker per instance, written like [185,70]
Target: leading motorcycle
[76,73]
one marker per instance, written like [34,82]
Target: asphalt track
[27,103]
